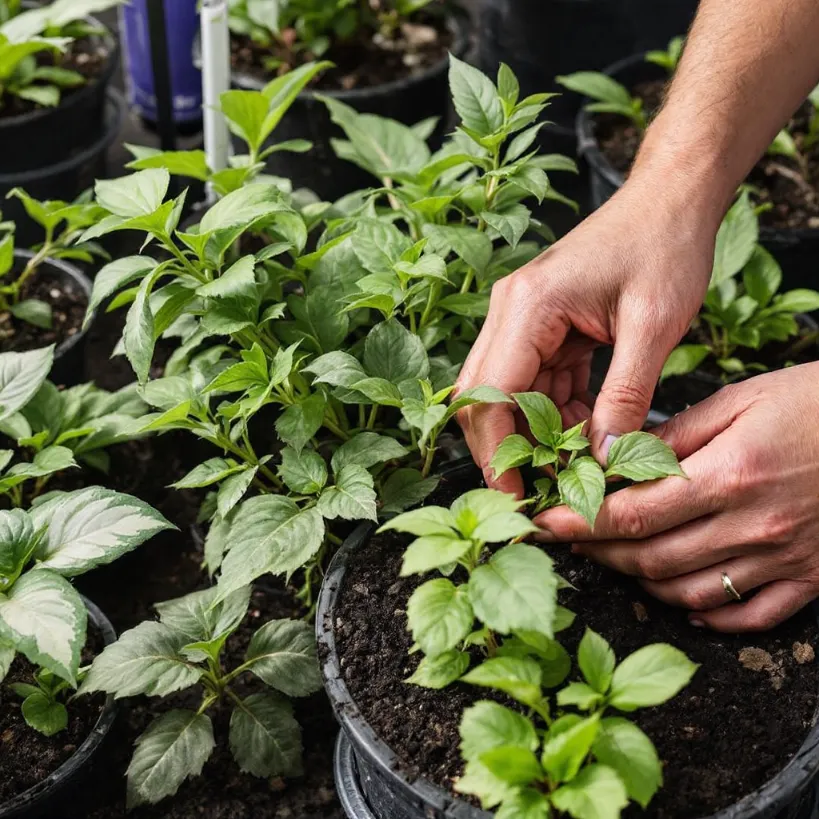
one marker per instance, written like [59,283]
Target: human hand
[749,508]
[633,275]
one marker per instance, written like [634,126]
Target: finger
[688,548]
[643,510]
[491,423]
[562,383]
[703,590]
[700,424]
[574,412]
[640,350]
[771,606]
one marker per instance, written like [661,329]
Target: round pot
[49,797]
[46,136]
[369,776]
[408,100]
[69,356]
[795,250]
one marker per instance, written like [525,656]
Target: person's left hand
[750,508]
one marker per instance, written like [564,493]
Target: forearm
[747,66]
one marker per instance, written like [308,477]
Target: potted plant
[43,620]
[58,64]
[609,131]
[387,58]
[746,325]
[417,735]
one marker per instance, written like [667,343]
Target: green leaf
[379,391]
[596,660]
[475,98]
[243,208]
[478,505]
[304,473]
[238,281]
[423,418]
[283,90]
[641,456]
[440,671]
[582,486]
[145,660]
[512,764]
[34,312]
[44,618]
[479,781]
[796,301]
[518,677]
[378,245]
[736,240]
[565,752]
[337,369]
[580,695]
[650,676]
[282,653]
[247,116]
[516,590]
[511,224]
[233,489]
[541,413]
[762,276]
[351,498]
[91,527]
[430,520]
[513,451]
[684,359]
[265,738]
[487,725]
[439,615]
[21,375]
[622,746]
[7,654]
[783,145]
[367,449]
[477,395]
[16,542]
[393,353]
[201,618]
[300,422]
[175,746]
[597,792]
[526,803]
[178,163]
[503,526]
[433,552]
[208,473]
[44,714]
[406,488]
[138,336]
[269,534]
[597,86]
[470,244]
[508,86]
[139,194]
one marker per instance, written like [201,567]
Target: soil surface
[744,715]
[87,57]
[68,302]
[26,756]
[789,187]
[365,61]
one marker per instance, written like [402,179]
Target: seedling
[611,97]
[185,649]
[744,314]
[670,58]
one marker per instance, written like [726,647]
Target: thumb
[625,397]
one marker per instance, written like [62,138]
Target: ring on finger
[730,591]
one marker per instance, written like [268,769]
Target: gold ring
[732,593]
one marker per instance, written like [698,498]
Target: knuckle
[630,522]
[776,528]
[649,566]
[630,393]
[696,598]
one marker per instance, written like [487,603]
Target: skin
[632,276]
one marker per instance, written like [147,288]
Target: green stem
[32,265]
[373,415]
[432,298]
[430,454]
[468,279]
[336,430]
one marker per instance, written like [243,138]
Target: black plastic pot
[47,136]
[369,776]
[49,798]
[65,179]
[408,100]
[69,357]
[795,250]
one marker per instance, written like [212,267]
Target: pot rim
[110,39]
[798,773]
[456,23]
[66,270]
[29,798]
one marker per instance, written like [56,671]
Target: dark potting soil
[223,792]
[788,187]
[87,57]
[366,61]
[734,727]
[26,756]
[68,302]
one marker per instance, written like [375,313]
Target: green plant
[41,615]
[27,34]
[747,314]
[611,97]
[789,144]
[573,477]
[185,649]
[670,58]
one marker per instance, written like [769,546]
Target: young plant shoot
[610,96]
[185,649]
[670,58]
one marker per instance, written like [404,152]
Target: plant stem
[373,416]
[468,279]
[430,454]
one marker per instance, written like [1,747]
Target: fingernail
[544,535]
[606,446]
[697,623]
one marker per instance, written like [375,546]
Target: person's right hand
[632,275]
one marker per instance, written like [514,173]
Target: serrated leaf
[282,653]
[470,244]
[21,375]
[518,677]
[304,473]
[440,671]
[351,498]
[596,660]
[439,615]
[433,552]
[233,489]
[208,473]
[542,415]
[475,98]
[487,725]
[300,422]
[582,486]
[430,520]
[595,793]
[393,353]
[650,676]
[44,714]
[367,449]
[565,752]
[641,456]
[406,488]
[139,194]
[200,617]
[513,451]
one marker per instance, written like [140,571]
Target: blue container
[182,28]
